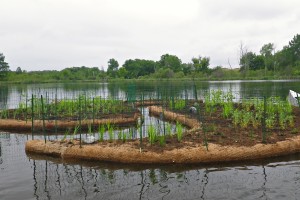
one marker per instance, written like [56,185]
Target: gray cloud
[45,34]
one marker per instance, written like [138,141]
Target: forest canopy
[267,64]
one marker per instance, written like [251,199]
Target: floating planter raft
[128,153]
[219,130]
[62,125]
[171,116]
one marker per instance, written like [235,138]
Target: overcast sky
[55,34]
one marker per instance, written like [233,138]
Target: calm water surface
[29,177]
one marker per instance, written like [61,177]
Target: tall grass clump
[179,130]
[111,134]
[101,131]
[236,117]
[169,129]
[178,104]
[227,109]
[152,134]
[124,136]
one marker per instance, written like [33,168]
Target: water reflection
[10,95]
[55,179]
[1,160]
[3,96]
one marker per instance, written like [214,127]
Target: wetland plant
[179,130]
[162,140]
[270,121]
[120,135]
[227,109]
[75,132]
[169,129]
[65,135]
[101,131]
[236,117]
[124,136]
[131,133]
[110,132]
[246,119]
[178,104]
[152,134]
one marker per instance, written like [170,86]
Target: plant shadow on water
[53,178]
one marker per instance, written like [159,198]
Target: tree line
[268,63]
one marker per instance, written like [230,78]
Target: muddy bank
[190,153]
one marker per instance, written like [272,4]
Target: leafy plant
[246,119]
[101,130]
[75,132]
[152,134]
[179,130]
[65,135]
[227,110]
[130,133]
[169,129]
[236,117]
[4,114]
[124,136]
[120,135]
[256,121]
[270,121]
[162,140]
[110,132]
[282,120]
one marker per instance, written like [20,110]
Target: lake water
[26,177]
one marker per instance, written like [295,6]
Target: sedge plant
[179,130]
[152,134]
[101,131]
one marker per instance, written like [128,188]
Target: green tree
[112,67]
[288,59]
[251,61]
[294,48]
[136,68]
[201,64]
[170,61]
[187,68]
[4,68]
[122,72]
[267,49]
[18,70]
[267,52]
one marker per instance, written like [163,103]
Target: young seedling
[152,134]
[101,130]
[124,136]
[179,130]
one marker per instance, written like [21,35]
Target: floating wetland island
[164,129]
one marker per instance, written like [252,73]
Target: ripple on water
[24,178]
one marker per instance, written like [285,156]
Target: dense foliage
[3,67]
[267,64]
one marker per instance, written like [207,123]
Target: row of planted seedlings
[157,130]
[80,109]
[161,131]
[256,113]
[83,109]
